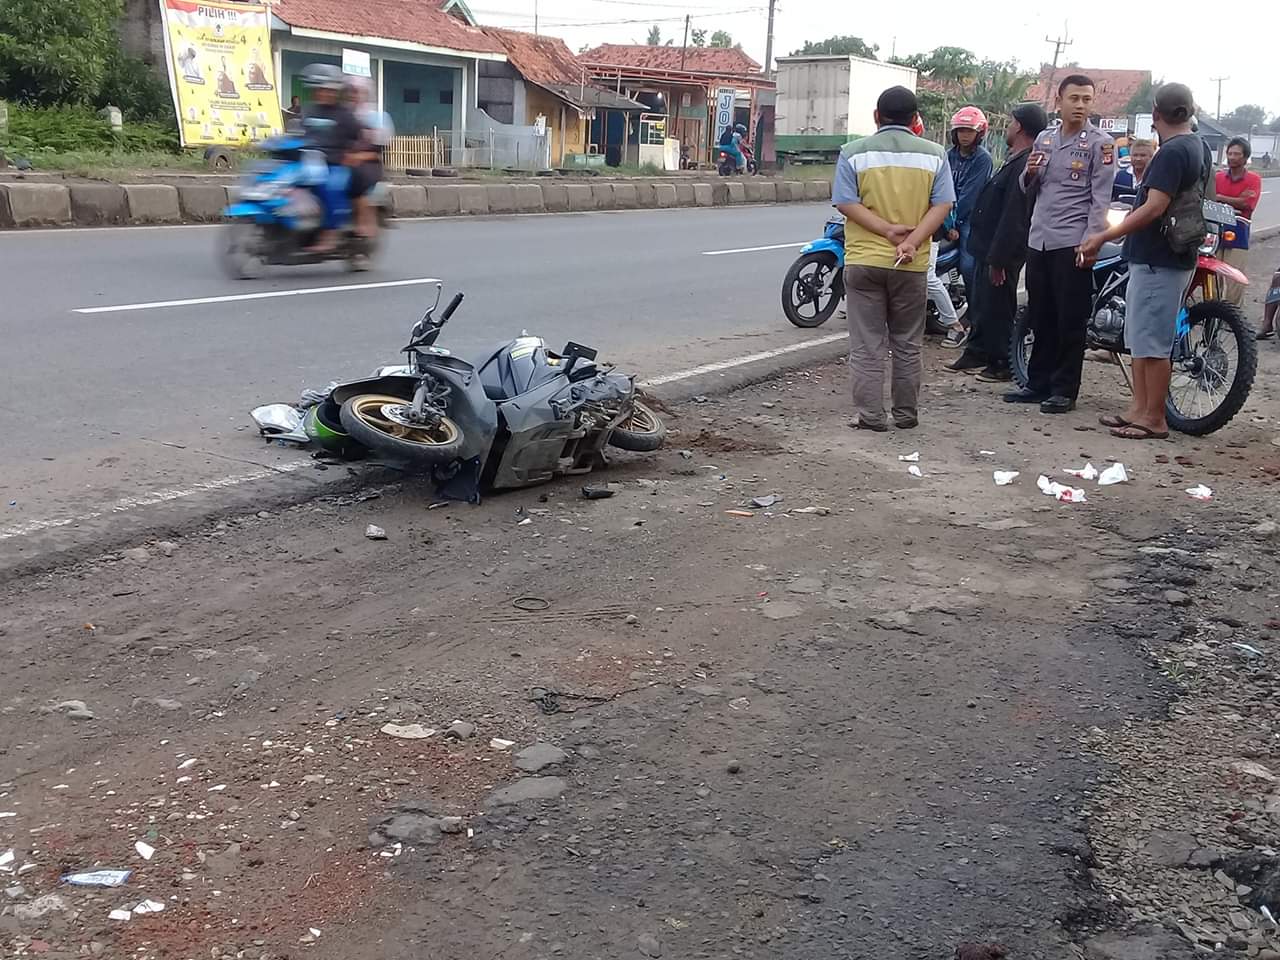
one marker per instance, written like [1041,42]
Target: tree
[721,38]
[1140,102]
[698,38]
[56,52]
[951,66]
[1275,125]
[843,46]
[655,36]
[1243,117]
[999,87]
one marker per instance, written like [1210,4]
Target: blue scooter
[281,207]
[814,286]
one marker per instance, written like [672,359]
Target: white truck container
[823,102]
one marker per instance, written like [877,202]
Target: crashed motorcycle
[1214,355]
[279,210]
[514,416]
[814,286]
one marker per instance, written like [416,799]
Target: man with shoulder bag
[1163,234]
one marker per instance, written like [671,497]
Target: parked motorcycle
[518,415]
[279,212]
[814,286]
[727,166]
[1214,357]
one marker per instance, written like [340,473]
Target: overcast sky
[1174,48]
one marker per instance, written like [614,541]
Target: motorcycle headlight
[260,192]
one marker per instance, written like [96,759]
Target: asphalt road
[147,394]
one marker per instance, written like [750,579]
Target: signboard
[1114,124]
[1142,128]
[724,111]
[221,71]
[355,63]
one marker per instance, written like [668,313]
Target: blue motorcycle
[281,207]
[814,286]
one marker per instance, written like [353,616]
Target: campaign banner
[221,71]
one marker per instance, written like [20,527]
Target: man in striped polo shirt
[894,189]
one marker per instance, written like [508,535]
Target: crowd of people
[1043,211]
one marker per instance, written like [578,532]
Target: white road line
[740,361]
[157,497]
[772,246]
[149,500]
[264,295]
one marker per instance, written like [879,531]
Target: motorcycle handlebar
[453,305]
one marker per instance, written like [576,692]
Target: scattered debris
[1200,492]
[1112,475]
[407,731]
[539,756]
[497,743]
[120,914]
[987,453]
[1247,651]
[531,604]
[149,906]
[813,511]
[375,532]
[910,457]
[98,878]
[1060,492]
[915,472]
[279,421]
[766,501]
[739,513]
[460,730]
[597,493]
[1005,477]
[145,850]
[1087,472]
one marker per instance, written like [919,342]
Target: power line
[526,18]
[1218,81]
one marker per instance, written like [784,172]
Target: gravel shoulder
[884,716]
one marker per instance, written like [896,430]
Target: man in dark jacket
[998,243]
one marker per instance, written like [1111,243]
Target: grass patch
[107,164]
[808,171]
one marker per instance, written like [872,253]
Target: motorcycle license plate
[1273,295]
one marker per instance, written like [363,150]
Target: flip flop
[1143,433]
[1266,335]
[1114,421]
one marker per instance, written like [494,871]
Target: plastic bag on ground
[1115,473]
[1060,491]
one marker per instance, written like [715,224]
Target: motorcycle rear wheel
[240,247]
[368,423]
[1020,344]
[804,286]
[642,432]
[1213,368]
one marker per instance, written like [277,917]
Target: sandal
[1114,421]
[1266,335]
[1136,431]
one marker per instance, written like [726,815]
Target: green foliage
[1140,102]
[842,46]
[134,87]
[56,52]
[1245,116]
[721,38]
[655,36]
[69,129]
[698,37]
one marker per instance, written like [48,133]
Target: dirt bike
[514,416]
[1215,357]
[814,286]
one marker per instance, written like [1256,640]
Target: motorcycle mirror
[439,292]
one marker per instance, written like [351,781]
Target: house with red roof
[1113,89]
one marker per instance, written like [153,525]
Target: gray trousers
[886,314]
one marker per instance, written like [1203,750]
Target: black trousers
[991,313]
[1059,296]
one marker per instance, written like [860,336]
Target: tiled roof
[725,60]
[1113,88]
[544,60]
[409,21]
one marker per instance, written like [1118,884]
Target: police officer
[1069,174]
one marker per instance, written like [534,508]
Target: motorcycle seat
[1110,251]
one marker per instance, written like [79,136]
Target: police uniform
[1072,193]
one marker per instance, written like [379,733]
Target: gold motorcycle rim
[374,411]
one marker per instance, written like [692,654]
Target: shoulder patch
[1108,154]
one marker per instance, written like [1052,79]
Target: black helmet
[323,76]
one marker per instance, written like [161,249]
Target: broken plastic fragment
[910,457]
[148,906]
[766,501]
[1200,492]
[1060,492]
[188,763]
[145,850]
[1005,477]
[98,878]
[6,861]
[914,471]
[739,513]
[497,743]
[119,914]
[407,731]
[1087,472]
[987,453]
[1113,474]
[218,789]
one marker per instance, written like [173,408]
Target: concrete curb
[25,204]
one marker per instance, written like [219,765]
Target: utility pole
[1059,44]
[768,44]
[685,51]
[1218,80]
[535,17]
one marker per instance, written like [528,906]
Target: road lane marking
[772,246]
[157,497]
[262,295]
[741,361]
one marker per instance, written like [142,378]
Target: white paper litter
[5,815]
[407,731]
[987,453]
[1200,492]
[189,763]
[145,850]
[1087,472]
[98,878]
[1005,477]
[1113,474]
[914,471]
[119,914]
[525,522]
[6,861]
[315,932]
[910,457]
[1060,492]
[497,743]
[218,789]
[149,906]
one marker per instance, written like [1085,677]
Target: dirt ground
[879,718]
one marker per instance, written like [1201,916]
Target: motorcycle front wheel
[1213,369]
[1020,344]
[642,432]
[380,423]
[812,289]
[241,250]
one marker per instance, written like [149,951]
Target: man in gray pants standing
[894,189]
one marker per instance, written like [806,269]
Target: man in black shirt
[1158,274]
[333,129]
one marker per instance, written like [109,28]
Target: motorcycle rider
[731,143]
[334,130]
[377,131]
[970,169]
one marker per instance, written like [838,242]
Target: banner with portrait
[221,71]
